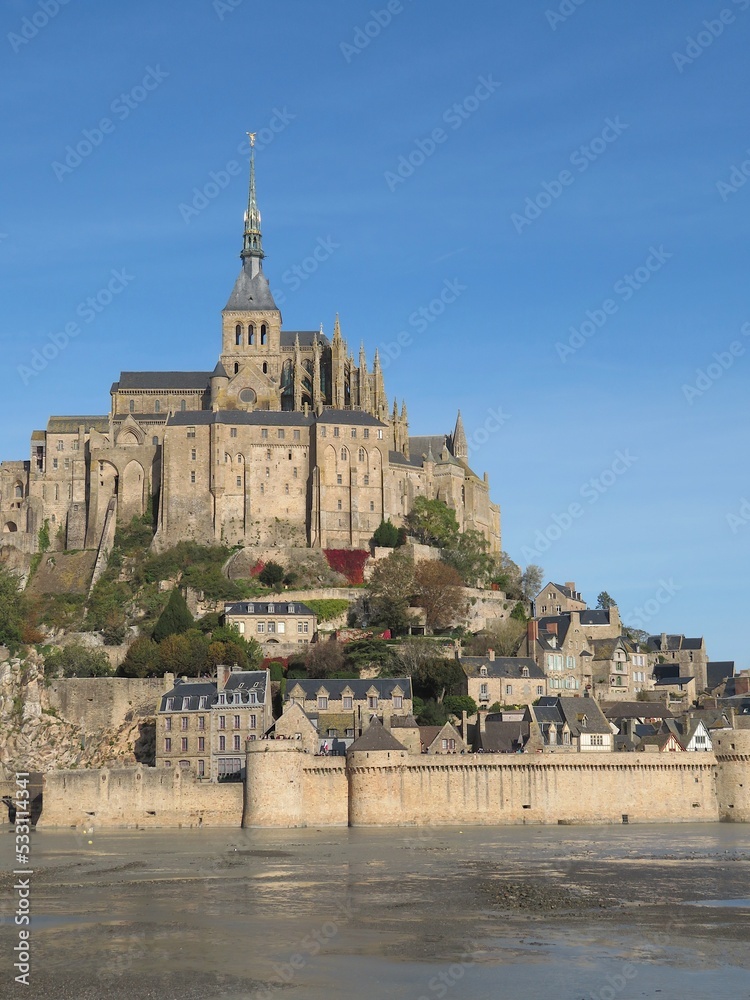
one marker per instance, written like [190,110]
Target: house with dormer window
[563,725]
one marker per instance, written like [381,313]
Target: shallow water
[516,912]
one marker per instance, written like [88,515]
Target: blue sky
[572,150]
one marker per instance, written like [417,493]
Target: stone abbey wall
[137,798]
[95,703]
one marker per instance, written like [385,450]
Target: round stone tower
[732,749]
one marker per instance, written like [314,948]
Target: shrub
[349,562]
[271,575]
[328,608]
[174,619]
[386,535]
[141,660]
[77,660]
[458,703]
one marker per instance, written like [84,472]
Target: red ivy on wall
[349,562]
[257,568]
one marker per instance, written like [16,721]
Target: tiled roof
[359,688]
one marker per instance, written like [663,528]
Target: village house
[503,680]
[555,599]
[679,656]
[272,622]
[444,739]
[202,725]
[568,725]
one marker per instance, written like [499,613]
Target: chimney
[532,635]
[552,628]
[223,672]
[491,655]
[168,681]
[482,720]
[575,617]
[663,641]
[465,726]
[387,719]
[571,587]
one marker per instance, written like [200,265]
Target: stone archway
[9,527]
[131,492]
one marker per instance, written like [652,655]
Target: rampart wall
[95,703]
[137,797]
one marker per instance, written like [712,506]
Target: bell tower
[251,323]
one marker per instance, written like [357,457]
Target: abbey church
[287,441]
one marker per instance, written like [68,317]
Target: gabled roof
[635,710]
[674,643]
[717,671]
[582,715]
[503,737]
[359,417]
[501,666]
[261,608]
[238,681]
[271,418]
[335,686]
[374,738]
[70,425]
[130,381]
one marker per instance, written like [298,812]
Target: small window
[168,724]
[61,446]
[184,722]
[183,405]
[380,434]
[264,432]
[239,481]
[251,335]
[201,768]
[339,480]
[268,454]
[168,744]
[372,702]
[263,333]
[262,489]
[322,703]
[366,432]
[193,454]
[202,720]
[154,440]
[294,473]
[296,435]
[361,454]
[372,506]
[271,625]
[183,745]
[344,455]
[354,432]
[192,477]
[322,432]
[157,406]
[233,432]
[131,406]
[540,689]
[509,689]
[265,368]
[339,505]
[347,703]
[281,433]
[222,743]
[398,701]
[286,488]
[238,334]
[261,627]
[365,480]
[191,432]
[335,432]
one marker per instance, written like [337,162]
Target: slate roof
[306,338]
[70,425]
[422,445]
[374,738]
[717,671]
[674,643]
[142,418]
[152,381]
[502,737]
[672,681]
[595,616]
[261,608]
[239,680]
[250,293]
[335,687]
[332,416]
[635,710]
[275,418]
[501,667]
[404,722]
[572,710]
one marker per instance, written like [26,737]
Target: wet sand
[519,912]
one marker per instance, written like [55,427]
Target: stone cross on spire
[252,243]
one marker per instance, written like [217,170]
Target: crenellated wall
[388,788]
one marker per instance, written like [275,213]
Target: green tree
[185,654]
[469,555]
[12,609]
[141,660]
[504,638]
[324,659]
[77,660]
[174,619]
[519,612]
[272,575]
[432,522]
[390,591]
[434,679]
[458,703]
[370,653]
[386,535]
[604,601]
[430,713]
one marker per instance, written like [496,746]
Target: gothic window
[251,335]
[131,406]
[236,368]
[361,454]
[344,455]
[183,405]
[154,440]
[157,406]
[265,368]
[19,491]
[263,334]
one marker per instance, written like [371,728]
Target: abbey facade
[287,441]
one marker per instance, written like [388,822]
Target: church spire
[252,244]
[459,444]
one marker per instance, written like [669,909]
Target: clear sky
[530,208]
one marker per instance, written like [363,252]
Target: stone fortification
[96,703]
[391,788]
[137,797]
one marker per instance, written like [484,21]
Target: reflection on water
[517,912]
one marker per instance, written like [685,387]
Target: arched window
[183,405]
[251,334]
[361,454]
[236,368]
[154,440]
[157,406]
[344,455]
[131,406]
[238,334]
[263,334]
[265,368]
[19,491]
